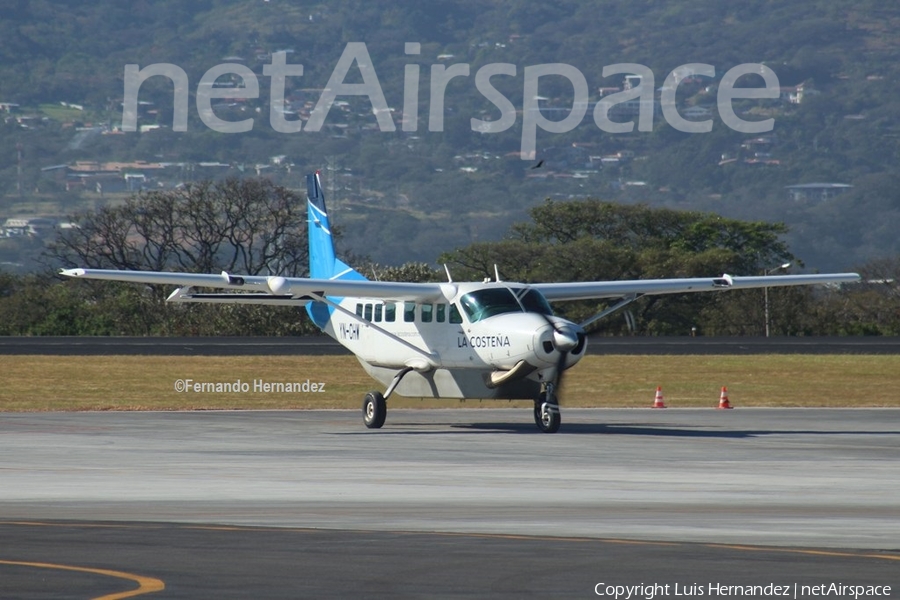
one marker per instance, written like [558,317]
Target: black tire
[546,414]
[374,410]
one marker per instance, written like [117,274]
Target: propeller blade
[560,369]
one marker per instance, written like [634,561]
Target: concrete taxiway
[432,487]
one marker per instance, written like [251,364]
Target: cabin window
[455,317]
[409,312]
[427,313]
[359,310]
[378,309]
[440,313]
[368,314]
[390,312]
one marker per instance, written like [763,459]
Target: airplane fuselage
[460,344]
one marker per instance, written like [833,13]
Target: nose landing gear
[546,411]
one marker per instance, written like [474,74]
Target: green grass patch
[54,383]
[758,380]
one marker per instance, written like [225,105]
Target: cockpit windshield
[482,304]
[533,301]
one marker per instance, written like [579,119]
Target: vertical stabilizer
[322,262]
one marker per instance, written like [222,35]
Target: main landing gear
[546,411]
[374,410]
[374,406]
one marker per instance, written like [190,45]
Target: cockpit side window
[455,317]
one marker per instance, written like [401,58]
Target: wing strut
[621,304]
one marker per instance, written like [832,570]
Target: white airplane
[486,340]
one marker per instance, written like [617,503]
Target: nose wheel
[546,413]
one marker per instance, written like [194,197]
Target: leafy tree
[409,272]
[871,307]
[594,240]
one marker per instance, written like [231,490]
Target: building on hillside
[816,191]
[106,176]
[34,226]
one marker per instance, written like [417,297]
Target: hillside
[409,195]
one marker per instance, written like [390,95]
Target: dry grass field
[57,383]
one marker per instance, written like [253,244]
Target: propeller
[566,338]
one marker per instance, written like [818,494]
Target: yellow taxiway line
[146,585]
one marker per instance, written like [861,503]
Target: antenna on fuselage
[447,269]
[496,273]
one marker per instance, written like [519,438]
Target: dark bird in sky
[538,165]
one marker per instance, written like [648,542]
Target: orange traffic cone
[723,399]
[658,401]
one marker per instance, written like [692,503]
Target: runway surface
[323,345]
[453,503]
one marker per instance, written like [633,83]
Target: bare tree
[248,226]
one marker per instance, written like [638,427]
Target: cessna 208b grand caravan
[486,340]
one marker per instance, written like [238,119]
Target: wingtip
[72,272]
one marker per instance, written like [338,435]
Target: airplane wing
[641,287]
[259,289]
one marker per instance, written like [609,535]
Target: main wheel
[546,414]
[374,410]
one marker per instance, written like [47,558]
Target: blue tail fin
[322,262]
